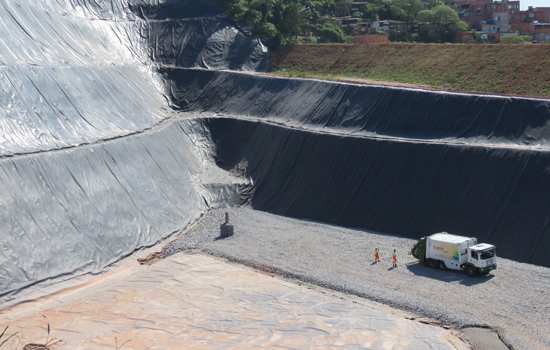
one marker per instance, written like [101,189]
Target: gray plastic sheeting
[412,189]
[399,161]
[76,211]
[365,110]
[58,107]
[68,78]
[90,167]
[66,81]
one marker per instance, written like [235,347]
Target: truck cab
[482,258]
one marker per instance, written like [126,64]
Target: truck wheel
[442,265]
[470,271]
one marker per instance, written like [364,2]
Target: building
[522,23]
[490,26]
[505,18]
[348,17]
[474,12]
[490,38]
[508,6]
[370,39]
[466,37]
[503,12]
[540,14]
[542,33]
[503,21]
[390,26]
[352,25]
[478,12]
[347,9]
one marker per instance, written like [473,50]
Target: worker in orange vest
[394,259]
[376,256]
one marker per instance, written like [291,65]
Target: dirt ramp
[403,188]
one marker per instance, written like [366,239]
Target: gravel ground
[514,300]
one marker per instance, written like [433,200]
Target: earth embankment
[490,69]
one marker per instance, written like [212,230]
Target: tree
[408,9]
[440,24]
[331,33]
[279,22]
[387,9]
[266,18]
[342,7]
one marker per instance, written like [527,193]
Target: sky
[540,3]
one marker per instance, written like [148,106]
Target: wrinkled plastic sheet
[399,161]
[60,107]
[76,211]
[91,167]
[210,43]
[396,187]
[365,110]
[65,81]
[170,9]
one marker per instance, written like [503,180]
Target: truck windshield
[487,254]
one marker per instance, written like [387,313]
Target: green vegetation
[518,39]
[503,69]
[440,24]
[281,22]
[331,33]
[401,10]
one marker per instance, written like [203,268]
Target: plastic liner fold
[76,211]
[398,188]
[364,110]
[93,163]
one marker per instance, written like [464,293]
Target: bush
[440,24]
[331,33]
[518,39]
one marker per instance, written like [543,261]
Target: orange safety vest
[394,259]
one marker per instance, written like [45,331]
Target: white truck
[447,251]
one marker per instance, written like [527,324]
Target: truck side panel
[444,251]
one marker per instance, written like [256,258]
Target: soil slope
[522,70]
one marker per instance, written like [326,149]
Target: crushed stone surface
[514,300]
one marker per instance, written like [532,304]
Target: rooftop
[449,238]
[482,246]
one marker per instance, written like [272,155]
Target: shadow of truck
[447,275]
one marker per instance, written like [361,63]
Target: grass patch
[522,70]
